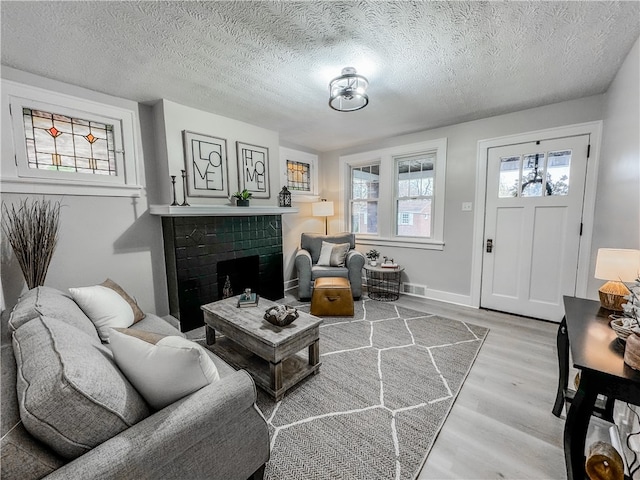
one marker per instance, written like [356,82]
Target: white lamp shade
[322,209]
[617,264]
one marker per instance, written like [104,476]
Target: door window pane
[533,180]
[558,170]
[509,177]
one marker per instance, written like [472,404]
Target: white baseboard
[448,297]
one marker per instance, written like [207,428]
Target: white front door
[535,194]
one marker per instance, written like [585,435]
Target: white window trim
[17,177]
[305,157]
[386,216]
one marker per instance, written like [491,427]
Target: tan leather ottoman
[332,297]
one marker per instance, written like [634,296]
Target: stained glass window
[299,176]
[68,144]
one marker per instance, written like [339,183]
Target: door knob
[489,245]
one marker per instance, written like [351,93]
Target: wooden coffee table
[272,355]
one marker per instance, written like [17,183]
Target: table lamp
[617,266]
[322,209]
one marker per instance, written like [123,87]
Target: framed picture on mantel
[253,169]
[205,159]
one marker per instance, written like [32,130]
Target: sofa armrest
[154,446]
[303,264]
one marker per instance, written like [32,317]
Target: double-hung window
[396,195]
[414,176]
[365,188]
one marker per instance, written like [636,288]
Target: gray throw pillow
[339,254]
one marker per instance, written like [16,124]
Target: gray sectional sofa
[68,412]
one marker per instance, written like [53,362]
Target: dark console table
[598,354]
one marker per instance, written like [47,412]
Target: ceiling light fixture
[347,92]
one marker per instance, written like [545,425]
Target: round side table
[383,284]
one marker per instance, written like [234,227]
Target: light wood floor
[501,425]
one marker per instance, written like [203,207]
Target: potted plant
[242,198]
[373,255]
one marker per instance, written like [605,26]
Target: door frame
[594,129]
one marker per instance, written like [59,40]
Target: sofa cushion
[51,303]
[22,455]
[107,305]
[71,395]
[312,242]
[162,368]
[154,324]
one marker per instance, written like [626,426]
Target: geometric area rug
[389,378]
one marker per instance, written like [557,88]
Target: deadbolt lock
[489,245]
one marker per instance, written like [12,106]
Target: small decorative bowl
[281,316]
[622,326]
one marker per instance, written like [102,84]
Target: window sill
[57,187]
[394,242]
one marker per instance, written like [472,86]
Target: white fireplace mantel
[218,211]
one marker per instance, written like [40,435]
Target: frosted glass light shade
[322,209]
[617,264]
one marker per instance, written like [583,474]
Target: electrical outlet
[467,206]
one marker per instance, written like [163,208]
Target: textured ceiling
[269,63]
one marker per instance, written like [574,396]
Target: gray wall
[447,273]
[116,237]
[617,215]
[100,237]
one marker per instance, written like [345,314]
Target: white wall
[100,236]
[447,273]
[617,215]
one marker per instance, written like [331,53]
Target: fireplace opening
[242,272]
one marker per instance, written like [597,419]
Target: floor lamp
[323,209]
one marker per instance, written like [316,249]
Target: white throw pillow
[163,372]
[325,254]
[104,307]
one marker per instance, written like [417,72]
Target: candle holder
[184,189]
[173,187]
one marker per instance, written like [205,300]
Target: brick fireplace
[195,244]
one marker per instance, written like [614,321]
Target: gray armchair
[308,270]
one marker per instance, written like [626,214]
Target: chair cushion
[71,395]
[50,303]
[312,242]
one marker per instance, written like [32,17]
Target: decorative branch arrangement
[32,230]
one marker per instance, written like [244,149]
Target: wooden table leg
[276,376]
[575,428]
[562,341]
[210,335]
[314,353]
